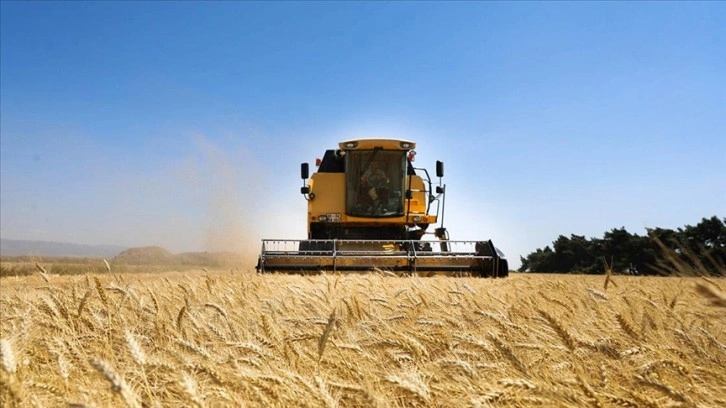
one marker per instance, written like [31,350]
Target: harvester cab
[369,207]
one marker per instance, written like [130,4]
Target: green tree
[541,260]
[706,239]
[574,254]
[701,246]
[625,251]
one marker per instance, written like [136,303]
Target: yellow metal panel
[369,144]
[419,198]
[329,191]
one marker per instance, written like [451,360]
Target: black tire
[503,268]
[486,265]
[485,269]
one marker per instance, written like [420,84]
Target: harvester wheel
[485,268]
[503,268]
[486,265]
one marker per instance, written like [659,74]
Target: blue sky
[183,124]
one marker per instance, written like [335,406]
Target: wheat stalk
[564,335]
[716,297]
[326,333]
[137,353]
[101,292]
[392,342]
[118,385]
[7,356]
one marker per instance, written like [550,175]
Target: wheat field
[230,339]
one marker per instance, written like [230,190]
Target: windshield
[375,181]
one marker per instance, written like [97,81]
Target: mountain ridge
[16,247]
[146,255]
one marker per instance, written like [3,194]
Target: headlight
[417,218]
[330,217]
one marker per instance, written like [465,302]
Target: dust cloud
[228,185]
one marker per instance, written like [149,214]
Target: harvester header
[369,207]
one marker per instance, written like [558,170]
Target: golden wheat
[217,339]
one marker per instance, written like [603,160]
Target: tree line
[702,246]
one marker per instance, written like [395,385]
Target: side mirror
[439,168]
[304,171]
[439,190]
[305,190]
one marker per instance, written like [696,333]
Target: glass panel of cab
[375,182]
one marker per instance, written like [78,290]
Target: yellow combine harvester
[368,207]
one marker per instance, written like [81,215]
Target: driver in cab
[374,176]
[375,184]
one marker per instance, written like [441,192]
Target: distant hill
[150,255]
[12,247]
[154,255]
[145,256]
